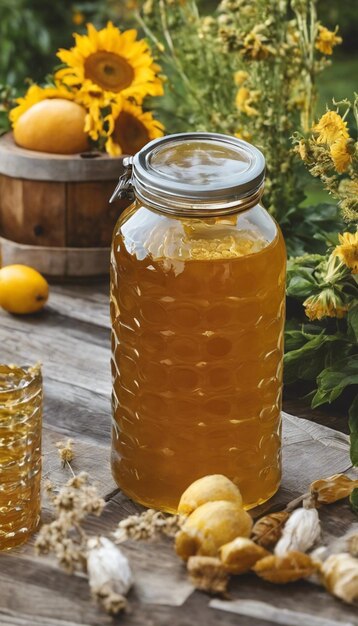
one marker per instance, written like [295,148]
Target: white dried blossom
[107,567]
[340,576]
[300,532]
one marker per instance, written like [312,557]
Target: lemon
[22,289]
[53,125]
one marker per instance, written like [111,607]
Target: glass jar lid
[196,174]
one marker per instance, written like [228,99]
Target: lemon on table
[22,289]
[53,125]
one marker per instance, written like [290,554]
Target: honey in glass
[20,453]
[197,306]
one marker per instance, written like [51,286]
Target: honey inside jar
[197,309]
[20,453]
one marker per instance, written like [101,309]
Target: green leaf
[353,499]
[353,416]
[307,361]
[333,380]
[353,321]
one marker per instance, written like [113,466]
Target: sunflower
[131,130]
[347,251]
[113,61]
[35,94]
[331,127]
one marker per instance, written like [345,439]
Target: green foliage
[31,31]
[353,498]
[323,353]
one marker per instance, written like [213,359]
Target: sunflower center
[108,70]
[130,133]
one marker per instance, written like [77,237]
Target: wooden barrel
[54,209]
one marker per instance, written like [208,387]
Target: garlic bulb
[107,567]
[300,532]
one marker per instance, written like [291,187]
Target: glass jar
[197,309]
[20,453]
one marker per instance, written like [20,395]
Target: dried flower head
[330,128]
[340,576]
[336,487]
[147,525]
[64,536]
[208,574]
[65,451]
[285,569]
[300,532]
[268,530]
[240,555]
[340,154]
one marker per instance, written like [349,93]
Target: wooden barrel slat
[56,262]
[58,201]
[20,163]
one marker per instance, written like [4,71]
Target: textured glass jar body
[20,453]
[197,308]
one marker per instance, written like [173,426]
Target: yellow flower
[327,39]
[95,101]
[330,128]
[325,304]
[35,94]
[243,134]
[240,77]
[341,156]
[113,61]
[244,99]
[348,250]
[131,129]
[78,18]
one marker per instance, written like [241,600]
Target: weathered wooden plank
[86,306]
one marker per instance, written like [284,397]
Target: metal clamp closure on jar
[195,175]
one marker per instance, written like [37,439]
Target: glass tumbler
[20,453]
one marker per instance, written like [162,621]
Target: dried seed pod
[208,574]
[285,569]
[268,530]
[208,489]
[333,488]
[209,527]
[241,554]
[340,576]
[300,532]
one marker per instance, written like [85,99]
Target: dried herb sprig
[147,525]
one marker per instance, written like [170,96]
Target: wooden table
[71,338]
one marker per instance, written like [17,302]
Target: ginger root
[208,489]
[210,526]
